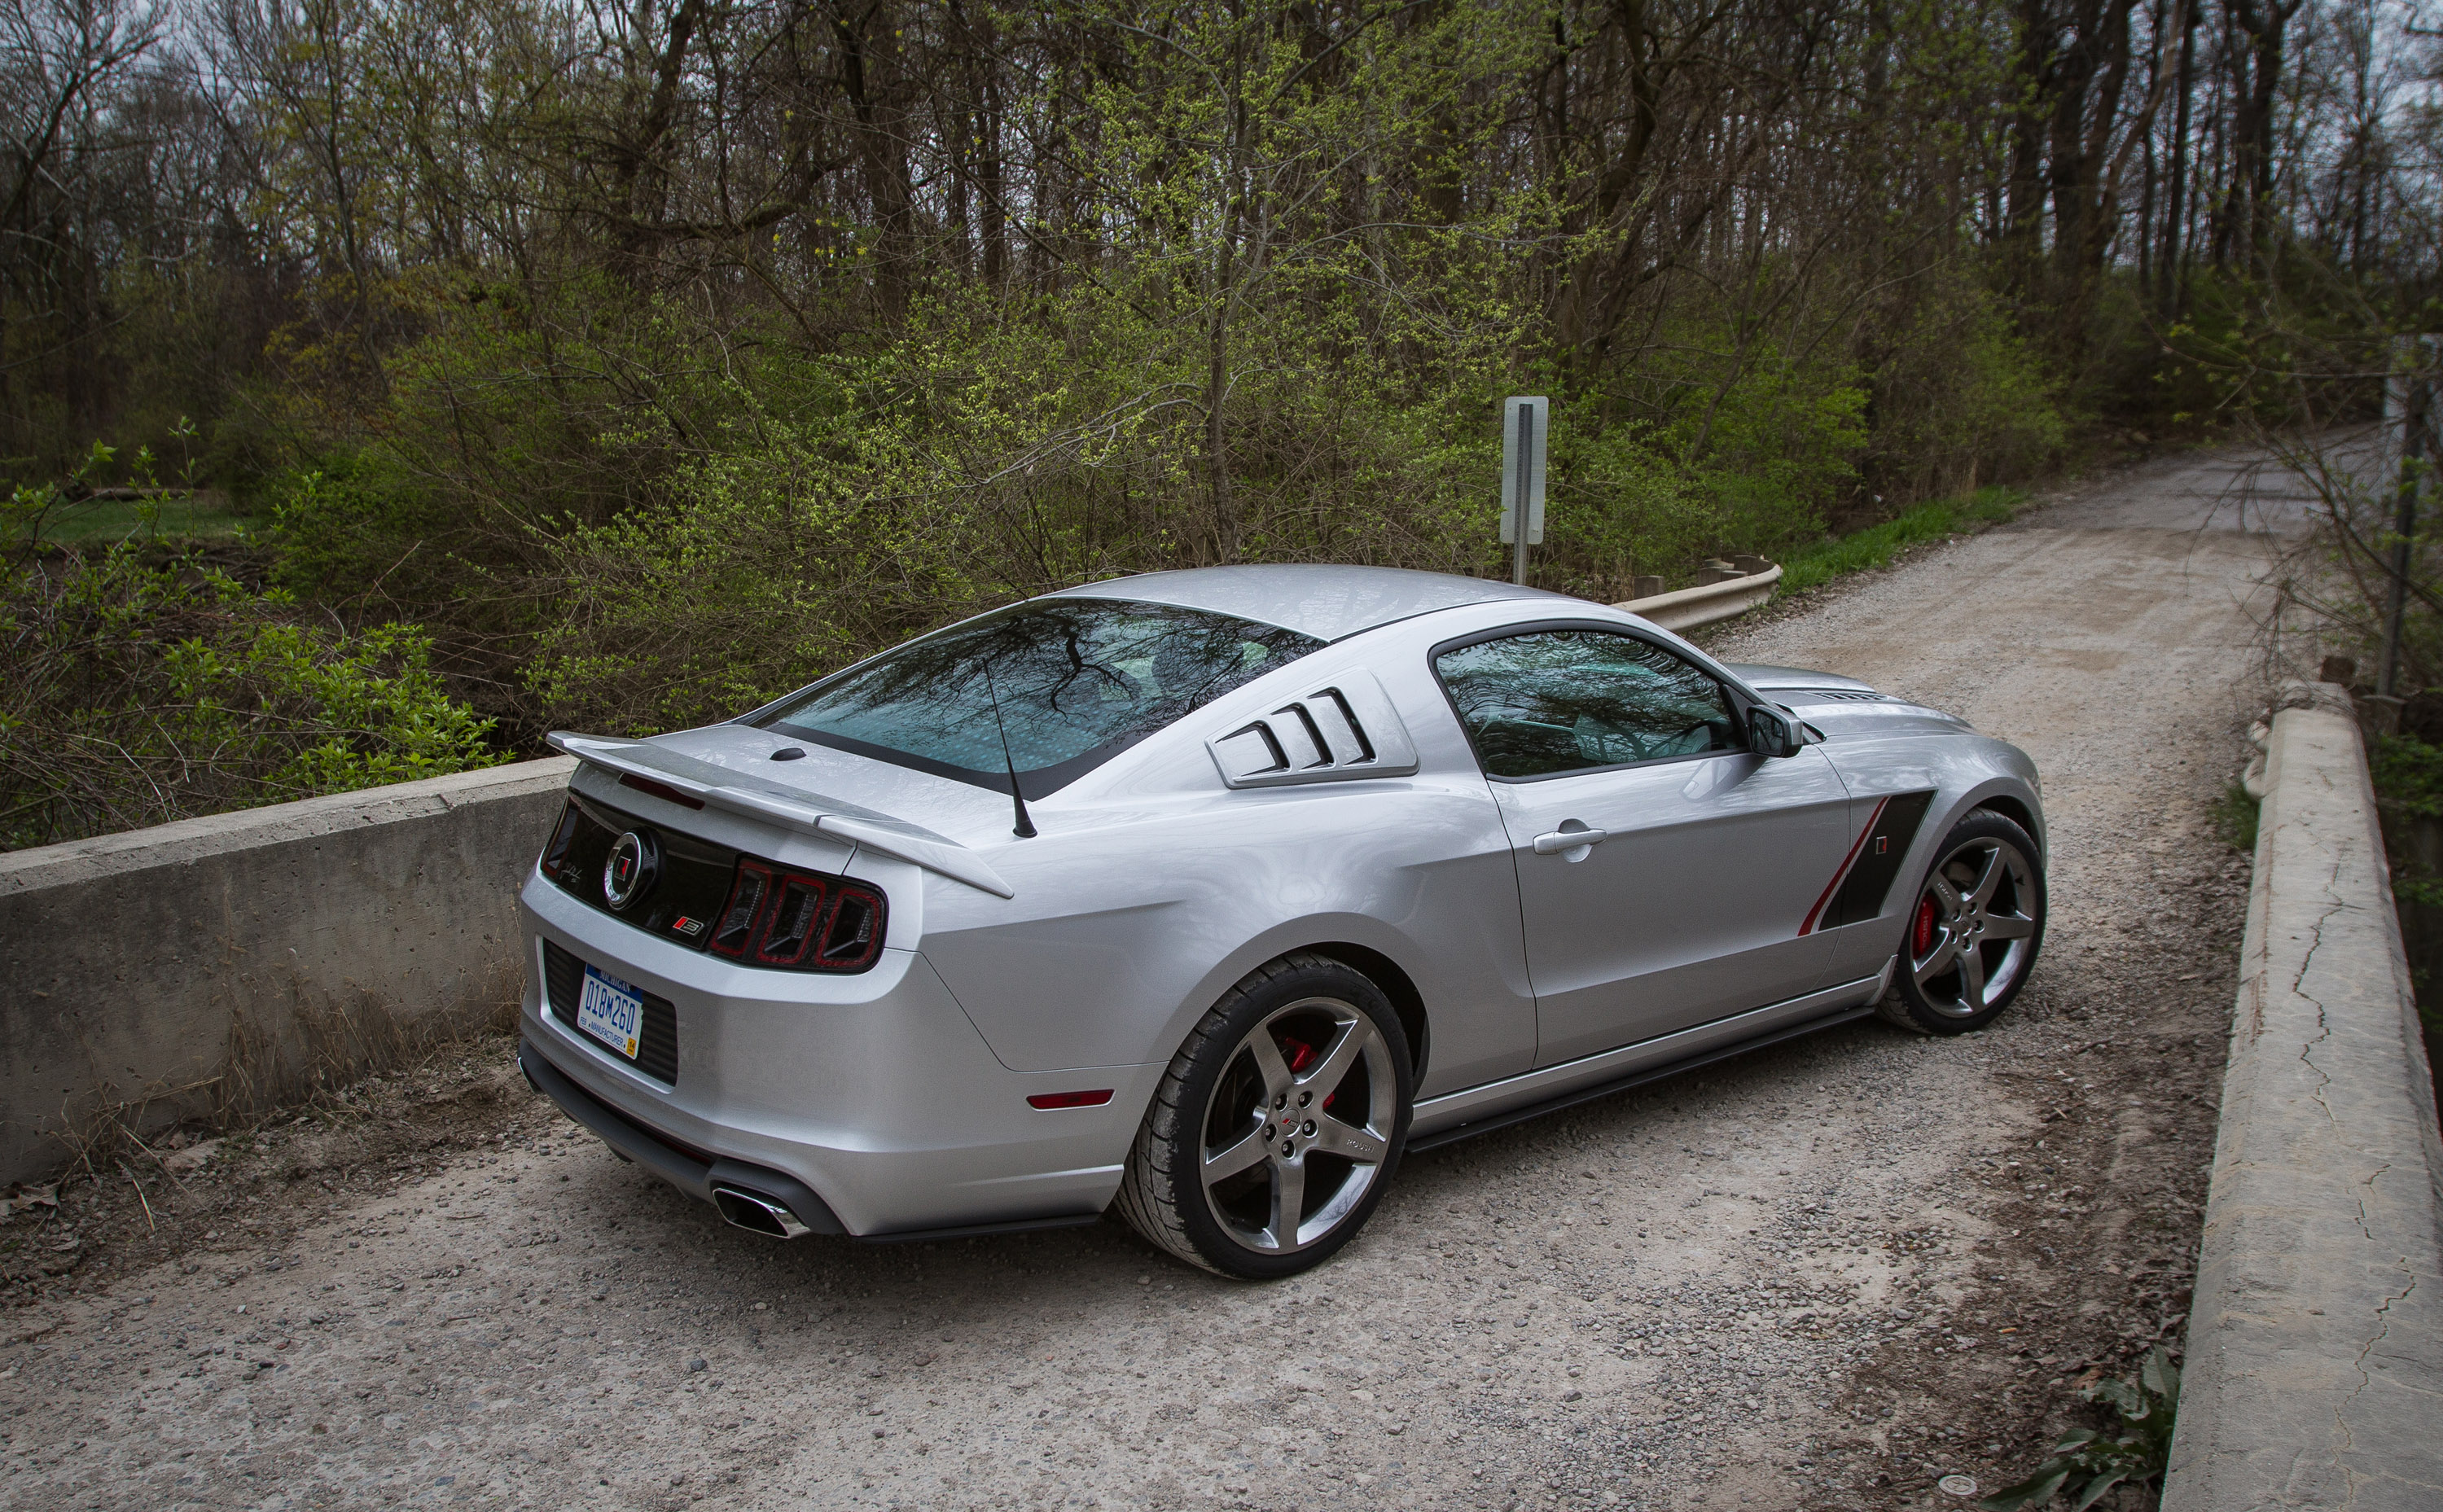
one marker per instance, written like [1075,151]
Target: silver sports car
[1212,893]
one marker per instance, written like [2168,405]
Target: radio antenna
[1024,828]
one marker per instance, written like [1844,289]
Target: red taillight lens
[795,919]
[799,921]
[856,932]
[739,915]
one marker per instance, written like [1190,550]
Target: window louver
[1341,731]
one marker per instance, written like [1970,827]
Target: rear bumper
[869,1105]
[693,1172]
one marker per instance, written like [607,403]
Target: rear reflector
[1070,1100]
[661,790]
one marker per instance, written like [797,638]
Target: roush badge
[629,873]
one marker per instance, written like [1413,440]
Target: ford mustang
[1206,895]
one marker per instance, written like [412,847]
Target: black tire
[1312,1011]
[1963,959]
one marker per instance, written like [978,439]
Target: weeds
[1815,565]
[330,1043]
[2235,817]
[2089,1462]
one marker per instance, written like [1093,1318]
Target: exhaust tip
[761,1214]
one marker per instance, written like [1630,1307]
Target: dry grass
[311,1059]
[330,1041]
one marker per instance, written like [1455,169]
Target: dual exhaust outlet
[757,1213]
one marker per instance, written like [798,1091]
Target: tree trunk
[2173,280]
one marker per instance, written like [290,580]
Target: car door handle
[1560,840]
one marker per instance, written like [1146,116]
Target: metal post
[1525,425]
[1525,441]
[2408,386]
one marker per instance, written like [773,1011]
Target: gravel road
[1818,1277]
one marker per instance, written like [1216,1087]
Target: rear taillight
[795,918]
[799,920]
[744,911]
[563,839]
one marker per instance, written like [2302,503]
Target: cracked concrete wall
[2315,1344]
[124,957]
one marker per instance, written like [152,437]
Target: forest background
[386,382]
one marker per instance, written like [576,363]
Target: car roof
[1328,602]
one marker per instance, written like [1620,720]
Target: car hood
[1843,707]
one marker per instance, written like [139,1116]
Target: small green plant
[2235,817]
[2089,1462]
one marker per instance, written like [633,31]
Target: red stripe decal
[1847,862]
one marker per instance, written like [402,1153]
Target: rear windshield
[1079,683]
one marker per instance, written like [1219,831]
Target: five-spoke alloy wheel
[1277,1124]
[1973,929]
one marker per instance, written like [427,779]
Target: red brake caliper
[1923,940]
[1301,1055]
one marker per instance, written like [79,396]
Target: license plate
[612,1012]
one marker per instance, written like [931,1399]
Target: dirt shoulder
[150,1204]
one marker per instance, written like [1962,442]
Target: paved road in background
[1819,1276]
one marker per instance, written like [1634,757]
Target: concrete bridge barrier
[2315,1342]
[213,962]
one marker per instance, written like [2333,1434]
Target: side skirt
[1840,1005]
[979,1230]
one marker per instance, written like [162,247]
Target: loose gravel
[1821,1276]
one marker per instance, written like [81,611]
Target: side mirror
[1773,732]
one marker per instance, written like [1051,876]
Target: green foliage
[2236,815]
[191,517]
[1961,399]
[2088,1461]
[1617,505]
[832,507]
[147,685]
[1809,566]
[1772,443]
[2408,775]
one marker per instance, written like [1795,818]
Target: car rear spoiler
[689,778]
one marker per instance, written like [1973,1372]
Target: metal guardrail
[1707,603]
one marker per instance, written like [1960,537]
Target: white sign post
[1526,423]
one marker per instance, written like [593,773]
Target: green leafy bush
[2236,815]
[147,683]
[1961,398]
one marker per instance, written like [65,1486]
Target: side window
[1566,701]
